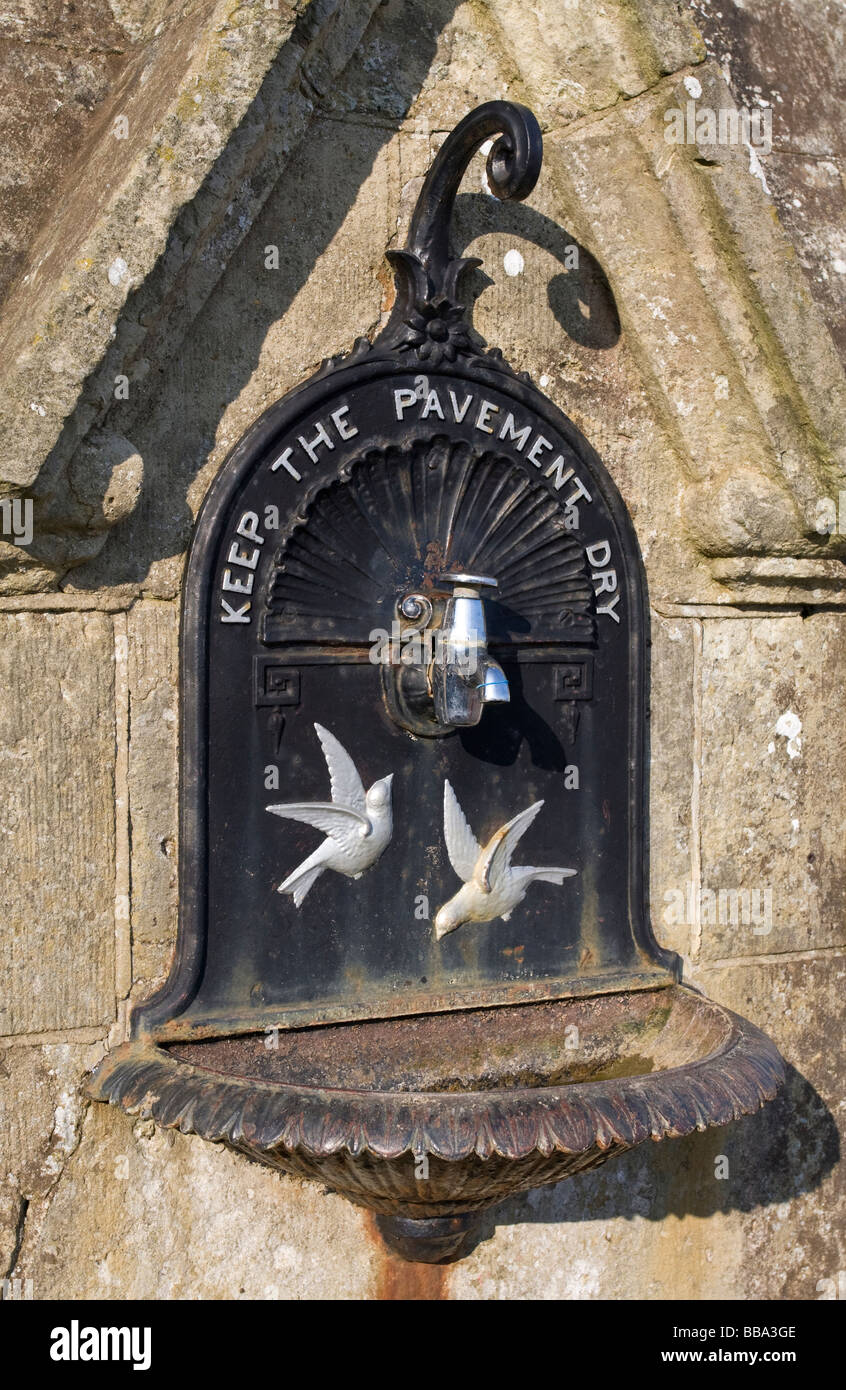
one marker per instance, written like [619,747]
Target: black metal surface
[420,454]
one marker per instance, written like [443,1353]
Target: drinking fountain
[414,959]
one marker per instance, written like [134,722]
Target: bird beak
[443,926]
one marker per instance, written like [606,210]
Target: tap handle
[468,581]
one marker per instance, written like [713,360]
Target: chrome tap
[464,677]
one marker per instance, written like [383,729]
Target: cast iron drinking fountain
[414,960]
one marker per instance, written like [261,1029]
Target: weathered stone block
[57,753]
[149,1213]
[672,775]
[41,1106]
[784,1165]
[152,633]
[773,784]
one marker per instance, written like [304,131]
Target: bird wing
[544,875]
[335,821]
[496,859]
[462,846]
[347,787]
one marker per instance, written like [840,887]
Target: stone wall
[694,344]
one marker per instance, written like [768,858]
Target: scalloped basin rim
[725,1067]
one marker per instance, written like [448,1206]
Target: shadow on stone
[783,1151]
[174,414]
[579,296]
[185,396]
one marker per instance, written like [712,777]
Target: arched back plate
[345,853]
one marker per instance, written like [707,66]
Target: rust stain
[401,1281]
[384,275]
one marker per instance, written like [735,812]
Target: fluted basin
[427,1120]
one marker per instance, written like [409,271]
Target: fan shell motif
[396,519]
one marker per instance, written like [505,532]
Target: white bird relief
[357,824]
[492,885]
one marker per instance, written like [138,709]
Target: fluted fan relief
[396,519]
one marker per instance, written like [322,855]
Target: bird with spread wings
[492,886]
[358,824]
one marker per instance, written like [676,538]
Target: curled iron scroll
[426,271]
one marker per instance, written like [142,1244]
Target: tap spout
[493,686]
[465,677]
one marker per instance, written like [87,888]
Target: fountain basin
[427,1120]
